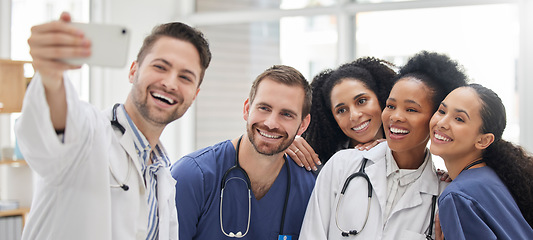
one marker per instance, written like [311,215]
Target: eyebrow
[407,101]
[457,110]
[170,65]
[354,98]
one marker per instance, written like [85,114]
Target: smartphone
[109,45]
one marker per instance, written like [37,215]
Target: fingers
[309,152]
[444,176]
[51,42]
[369,145]
[303,154]
[65,16]
[294,157]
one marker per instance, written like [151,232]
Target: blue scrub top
[198,189]
[478,205]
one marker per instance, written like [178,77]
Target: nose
[271,121]
[355,114]
[443,123]
[170,83]
[397,116]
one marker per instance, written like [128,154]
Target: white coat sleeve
[321,207]
[46,154]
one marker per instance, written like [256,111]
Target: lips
[361,126]
[163,98]
[264,134]
[395,130]
[442,137]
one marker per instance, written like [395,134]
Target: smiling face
[165,83]
[406,116]
[274,117]
[356,110]
[456,126]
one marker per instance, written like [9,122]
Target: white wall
[525,74]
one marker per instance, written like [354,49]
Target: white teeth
[361,126]
[268,135]
[398,131]
[442,138]
[163,97]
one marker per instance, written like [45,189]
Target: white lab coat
[74,196]
[408,220]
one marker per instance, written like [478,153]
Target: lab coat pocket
[410,235]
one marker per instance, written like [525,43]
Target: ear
[196,95]
[246,109]
[133,70]
[304,124]
[484,141]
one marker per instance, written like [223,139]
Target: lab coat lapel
[377,172]
[377,175]
[126,141]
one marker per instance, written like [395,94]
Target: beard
[153,114]
[266,148]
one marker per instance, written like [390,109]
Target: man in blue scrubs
[276,111]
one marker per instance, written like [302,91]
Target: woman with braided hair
[491,196]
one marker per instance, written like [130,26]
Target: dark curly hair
[512,163]
[440,74]
[323,133]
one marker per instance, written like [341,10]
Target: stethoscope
[225,179]
[362,173]
[115,123]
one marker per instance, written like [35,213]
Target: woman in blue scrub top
[491,194]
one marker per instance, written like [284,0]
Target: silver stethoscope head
[238,234]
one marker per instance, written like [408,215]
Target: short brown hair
[288,76]
[183,32]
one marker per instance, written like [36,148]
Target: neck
[261,169]
[379,135]
[151,132]
[410,159]
[455,165]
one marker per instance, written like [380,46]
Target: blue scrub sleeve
[461,218]
[189,195]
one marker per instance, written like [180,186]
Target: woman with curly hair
[346,110]
[389,191]
[491,196]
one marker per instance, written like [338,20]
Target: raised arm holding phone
[104,174]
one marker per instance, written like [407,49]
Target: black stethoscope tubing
[115,123]
[238,167]
[362,173]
